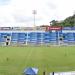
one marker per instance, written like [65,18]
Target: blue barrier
[38,37]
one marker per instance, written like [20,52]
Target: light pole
[34,13]
[74,18]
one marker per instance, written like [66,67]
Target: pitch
[13,60]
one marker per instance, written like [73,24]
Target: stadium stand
[22,36]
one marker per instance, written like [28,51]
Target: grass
[13,60]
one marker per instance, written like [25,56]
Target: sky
[16,13]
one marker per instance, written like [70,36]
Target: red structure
[48,28]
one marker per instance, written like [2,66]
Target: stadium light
[34,13]
[74,18]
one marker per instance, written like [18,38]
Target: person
[44,73]
[53,73]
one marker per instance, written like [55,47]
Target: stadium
[49,48]
[44,35]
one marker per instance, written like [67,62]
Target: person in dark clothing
[53,73]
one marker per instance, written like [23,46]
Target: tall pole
[74,18]
[34,13]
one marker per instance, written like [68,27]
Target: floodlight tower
[74,17]
[34,13]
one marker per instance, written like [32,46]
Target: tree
[54,23]
[69,21]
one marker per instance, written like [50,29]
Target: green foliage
[54,23]
[70,21]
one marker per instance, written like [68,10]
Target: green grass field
[13,60]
